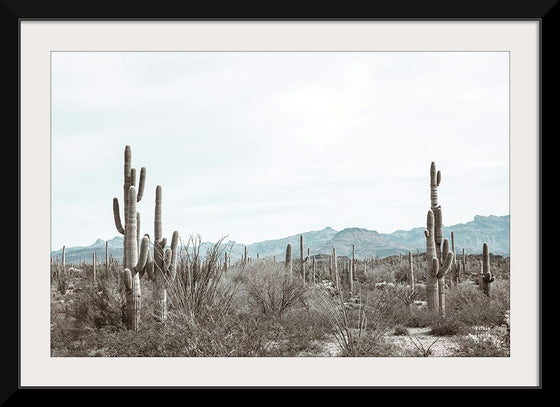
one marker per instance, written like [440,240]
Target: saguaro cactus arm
[447,264]
[117,216]
[143,257]
[141,184]
[172,264]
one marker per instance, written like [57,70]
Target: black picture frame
[13,12]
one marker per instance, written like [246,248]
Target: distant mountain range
[368,243]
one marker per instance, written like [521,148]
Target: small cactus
[288,263]
[410,271]
[335,270]
[351,270]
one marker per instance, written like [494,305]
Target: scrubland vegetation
[173,300]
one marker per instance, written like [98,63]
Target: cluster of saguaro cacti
[486,276]
[137,256]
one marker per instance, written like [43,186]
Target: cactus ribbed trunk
[335,270]
[160,291]
[432,265]
[94,262]
[410,271]
[133,293]
[302,262]
[134,250]
[165,260]
[487,276]
[351,271]
[435,179]
[314,270]
[107,258]
[133,299]
[63,262]
[447,265]
[288,263]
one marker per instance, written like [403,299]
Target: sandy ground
[419,342]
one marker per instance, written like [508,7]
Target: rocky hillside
[368,243]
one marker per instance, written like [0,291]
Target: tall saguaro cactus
[165,260]
[435,180]
[129,180]
[487,276]
[135,262]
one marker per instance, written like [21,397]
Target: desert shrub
[420,289]
[400,331]
[379,273]
[483,344]
[371,346]
[60,277]
[271,292]
[400,272]
[199,287]
[98,304]
[469,305]
[372,317]
[447,326]
[419,318]
[421,349]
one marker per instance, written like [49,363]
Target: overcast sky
[262,145]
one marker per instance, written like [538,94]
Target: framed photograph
[276,143]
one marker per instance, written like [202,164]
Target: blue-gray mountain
[368,243]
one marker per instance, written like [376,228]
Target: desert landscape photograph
[280,204]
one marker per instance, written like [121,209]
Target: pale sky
[262,145]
